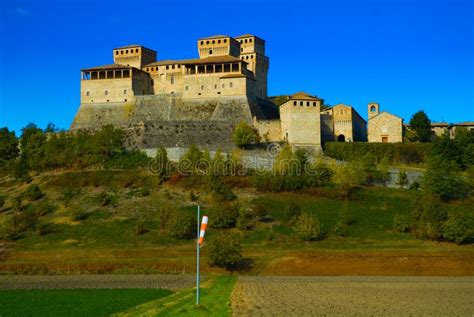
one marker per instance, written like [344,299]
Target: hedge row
[396,153]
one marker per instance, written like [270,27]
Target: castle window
[126,73]
[213,42]
[126,52]
[179,66]
[125,100]
[172,80]
[219,41]
[136,51]
[250,40]
[172,67]
[108,100]
[147,69]
[245,41]
[106,92]
[314,104]
[301,103]
[116,52]
[202,87]
[307,103]
[121,52]
[102,75]
[294,103]
[251,56]
[118,74]
[199,94]
[88,93]
[218,68]
[202,42]
[210,52]
[167,67]
[223,86]
[225,40]
[241,49]
[231,84]
[187,88]
[215,86]
[207,42]
[372,109]
[125,91]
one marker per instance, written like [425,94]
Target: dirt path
[349,296]
[169,281]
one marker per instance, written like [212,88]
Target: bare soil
[356,295]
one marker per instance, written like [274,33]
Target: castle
[199,101]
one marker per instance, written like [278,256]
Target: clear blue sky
[406,55]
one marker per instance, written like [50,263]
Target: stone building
[300,120]
[383,126]
[176,103]
[348,125]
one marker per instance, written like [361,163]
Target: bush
[141,228]
[458,228]
[79,214]
[69,194]
[246,218]
[345,220]
[2,201]
[401,223]
[244,134]
[181,224]
[402,178]
[428,217]
[396,153]
[105,198]
[225,251]
[33,192]
[307,227]
[443,178]
[45,228]
[42,208]
[224,215]
[221,192]
[291,212]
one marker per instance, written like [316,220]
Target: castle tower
[134,55]
[301,120]
[373,109]
[252,51]
[218,45]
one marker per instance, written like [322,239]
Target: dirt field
[173,282]
[358,295]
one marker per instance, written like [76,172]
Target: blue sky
[406,55]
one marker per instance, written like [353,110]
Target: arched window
[341,138]
[207,42]
[126,52]
[307,103]
[136,50]
[210,52]
[116,52]
[213,42]
[219,41]
[225,40]
[202,42]
[372,109]
[301,103]
[294,103]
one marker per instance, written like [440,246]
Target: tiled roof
[303,96]
[133,46]
[207,60]
[109,66]
[213,37]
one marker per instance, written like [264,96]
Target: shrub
[181,224]
[307,227]
[402,178]
[33,192]
[291,212]
[42,208]
[69,194]
[224,215]
[259,208]
[443,178]
[245,221]
[458,228]
[221,191]
[244,134]
[401,223]
[79,214]
[141,228]
[396,153]
[2,201]
[105,198]
[428,217]
[225,251]
[45,228]
[345,220]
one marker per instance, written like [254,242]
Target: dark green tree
[8,145]
[421,124]
[244,134]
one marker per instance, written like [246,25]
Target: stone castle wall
[169,120]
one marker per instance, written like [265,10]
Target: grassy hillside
[114,221]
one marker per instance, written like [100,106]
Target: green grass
[215,301]
[80,302]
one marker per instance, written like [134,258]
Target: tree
[444,178]
[225,251]
[32,146]
[161,161]
[458,228]
[244,134]
[8,145]
[421,124]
